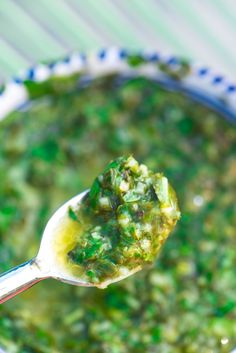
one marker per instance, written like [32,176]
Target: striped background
[32,31]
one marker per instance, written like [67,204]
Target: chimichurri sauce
[120,225]
[186,302]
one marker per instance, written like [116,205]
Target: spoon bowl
[47,258]
[46,264]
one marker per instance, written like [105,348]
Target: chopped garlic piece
[132,164]
[96,235]
[143,170]
[104,202]
[124,186]
[145,244]
[123,221]
[141,187]
[161,189]
[147,227]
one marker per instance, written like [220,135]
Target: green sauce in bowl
[52,151]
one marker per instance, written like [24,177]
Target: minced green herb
[72,214]
[185,303]
[125,219]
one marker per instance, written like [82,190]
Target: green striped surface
[32,31]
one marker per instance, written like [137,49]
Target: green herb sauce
[185,303]
[122,222]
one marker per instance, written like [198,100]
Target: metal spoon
[46,264]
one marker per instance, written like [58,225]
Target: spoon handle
[19,279]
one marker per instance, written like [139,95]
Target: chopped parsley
[125,219]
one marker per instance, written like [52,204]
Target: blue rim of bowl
[195,80]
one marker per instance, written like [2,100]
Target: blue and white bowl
[199,82]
